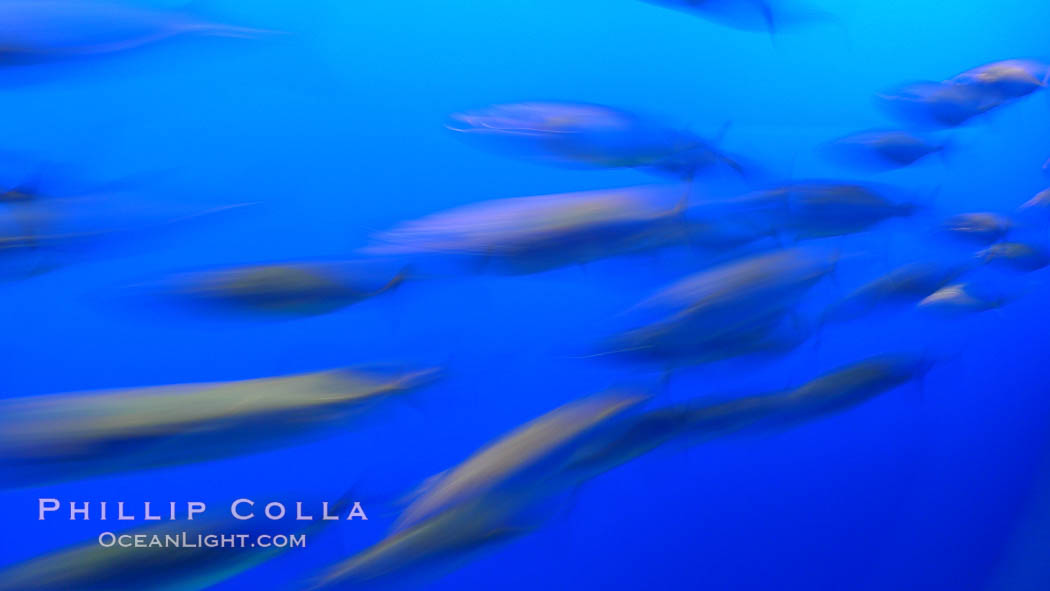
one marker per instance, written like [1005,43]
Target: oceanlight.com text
[188,540]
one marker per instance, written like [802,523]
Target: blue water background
[337,131]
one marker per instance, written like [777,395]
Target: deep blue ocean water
[337,131]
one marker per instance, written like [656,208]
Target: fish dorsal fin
[720,137]
[424,487]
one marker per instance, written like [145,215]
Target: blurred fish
[289,288]
[980,227]
[526,455]
[958,300]
[748,15]
[748,288]
[55,231]
[684,341]
[882,150]
[580,134]
[1016,255]
[939,104]
[738,308]
[1041,201]
[65,436]
[702,421]
[190,567]
[486,499]
[491,514]
[763,280]
[852,385]
[17,195]
[529,234]
[433,546]
[817,209]
[1010,79]
[43,30]
[905,285]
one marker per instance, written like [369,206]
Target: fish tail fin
[416,379]
[734,164]
[20,193]
[930,358]
[412,385]
[606,353]
[396,280]
[211,211]
[722,132]
[769,18]
[212,29]
[344,502]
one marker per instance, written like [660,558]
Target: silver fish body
[65,436]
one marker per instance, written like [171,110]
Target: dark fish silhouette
[905,285]
[739,308]
[1016,255]
[701,421]
[286,288]
[44,30]
[882,150]
[817,209]
[769,16]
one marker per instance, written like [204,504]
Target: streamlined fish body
[44,30]
[751,286]
[700,421]
[61,436]
[294,287]
[883,150]
[57,231]
[525,455]
[433,546]
[904,285]
[1009,79]
[958,300]
[819,209]
[939,104]
[768,16]
[528,234]
[1016,255]
[590,136]
[979,227]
